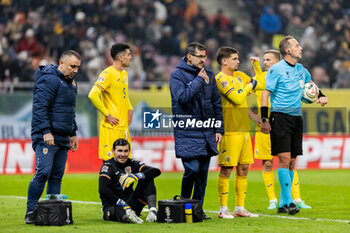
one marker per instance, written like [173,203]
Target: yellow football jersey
[234,91]
[260,77]
[114,85]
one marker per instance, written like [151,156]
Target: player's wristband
[320,94]
[264,112]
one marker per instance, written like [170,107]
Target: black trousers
[137,200]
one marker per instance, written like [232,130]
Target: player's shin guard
[223,189]
[295,187]
[241,189]
[285,183]
[269,181]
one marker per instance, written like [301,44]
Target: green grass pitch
[327,191]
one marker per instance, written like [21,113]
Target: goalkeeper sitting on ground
[120,202]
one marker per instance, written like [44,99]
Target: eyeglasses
[199,56]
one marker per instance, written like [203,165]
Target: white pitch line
[210,211]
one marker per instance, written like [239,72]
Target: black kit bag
[173,210]
[53,213]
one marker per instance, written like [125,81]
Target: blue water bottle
[188,213]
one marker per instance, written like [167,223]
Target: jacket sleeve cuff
[46,131]
[73,134]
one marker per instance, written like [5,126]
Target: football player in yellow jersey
[110,96]
[262,148]
[235,149]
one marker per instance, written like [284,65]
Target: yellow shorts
[262,148]
[234,149]
[106,140]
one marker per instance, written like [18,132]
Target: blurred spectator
[219,20]
[270,24]
[169,44]
[343,76]
[160,30]
[28,43]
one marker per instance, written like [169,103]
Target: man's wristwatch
[263,120]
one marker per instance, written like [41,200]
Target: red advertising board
[17,156]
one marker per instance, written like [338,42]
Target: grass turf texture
[327,191]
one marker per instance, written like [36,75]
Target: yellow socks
[223,189]
[269,181]
[295,187]
[241,189]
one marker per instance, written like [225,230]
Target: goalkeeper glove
[127,180]
[123,204]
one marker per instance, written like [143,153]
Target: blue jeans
[50,165]
[196,173]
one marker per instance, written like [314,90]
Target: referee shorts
[106,140]
[286,134]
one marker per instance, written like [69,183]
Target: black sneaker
[282,210]
[205,217]
[29,218]
[293,209]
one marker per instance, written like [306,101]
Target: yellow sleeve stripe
[229,91]
[106,176]
[141,167]
[99,86]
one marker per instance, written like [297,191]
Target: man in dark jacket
[53,126]
[120,202]
[196,106]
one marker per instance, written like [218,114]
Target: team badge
[126,79]
[45,150]
[257,151]
[228,159]
[74,83]
[101,79]
[127,170]
[109,154]
[301,83]
[224,84]
[239,79]
[104,168]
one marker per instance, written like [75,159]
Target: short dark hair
[284,44]
[69,53]
[224,52]
[191,48]
[121,142]
[118,48]
[275,52]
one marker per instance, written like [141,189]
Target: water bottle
[188,213]
[56,197]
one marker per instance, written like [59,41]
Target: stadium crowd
[35,33]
